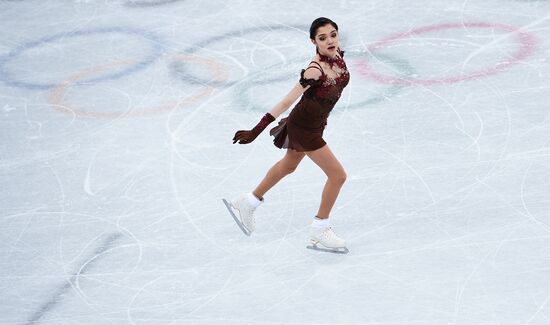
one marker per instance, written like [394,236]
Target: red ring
[527,47]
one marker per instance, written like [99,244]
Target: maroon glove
[243,136]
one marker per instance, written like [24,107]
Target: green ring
[242,89]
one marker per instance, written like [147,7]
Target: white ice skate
[324,239]
[242,211]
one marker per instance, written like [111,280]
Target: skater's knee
[338,177]
[342,178]
[289,164]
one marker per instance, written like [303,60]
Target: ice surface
[116,127]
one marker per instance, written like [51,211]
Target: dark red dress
[303,129]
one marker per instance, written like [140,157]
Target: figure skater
[301,133]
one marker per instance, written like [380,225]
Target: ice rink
[116,127]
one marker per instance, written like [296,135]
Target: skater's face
[327,40]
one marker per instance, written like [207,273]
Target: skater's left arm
[288,100]
[244,136]
[308,77]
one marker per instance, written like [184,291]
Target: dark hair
[320,22]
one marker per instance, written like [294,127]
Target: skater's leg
[325,159]
[282,168]
[242,208]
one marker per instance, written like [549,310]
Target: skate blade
[340,250]
[237,220]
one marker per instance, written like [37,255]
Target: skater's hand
[244,137]
[248,136]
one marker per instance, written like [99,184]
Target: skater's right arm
[309,77]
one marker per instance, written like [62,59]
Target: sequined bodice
[328,89]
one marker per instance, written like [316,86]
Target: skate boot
[242,210]
[324,239]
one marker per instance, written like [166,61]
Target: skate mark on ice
[107,244]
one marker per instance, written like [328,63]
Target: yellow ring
[57,96]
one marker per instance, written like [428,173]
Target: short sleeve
[308,82]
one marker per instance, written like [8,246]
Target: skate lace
[248,214]
[329,234]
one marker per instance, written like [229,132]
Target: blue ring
[153,39]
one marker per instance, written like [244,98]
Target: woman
[321,84]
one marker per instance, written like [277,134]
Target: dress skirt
[288,135]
